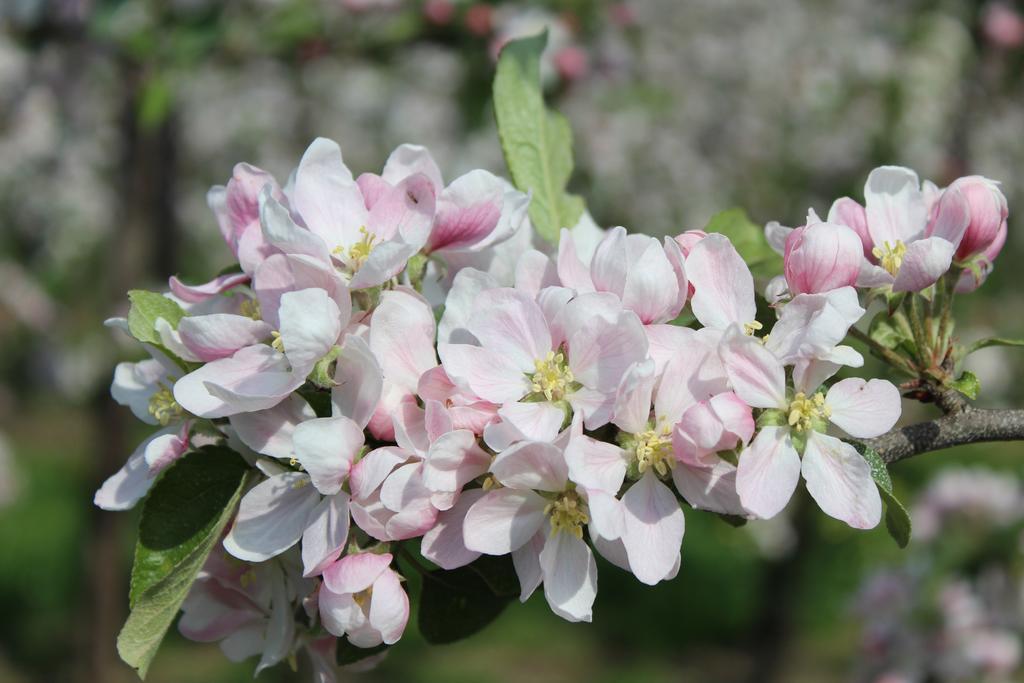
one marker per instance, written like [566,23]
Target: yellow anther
[277,343]
[653,449]
[362,598]
[247,578]
[890,256]
[750,328]
[250,308]
[490,483]
[552,378]
[803,411]
[568,513]
[357,254]
[163,407]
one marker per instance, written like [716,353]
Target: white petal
[839,479]
[768,472]
[272,517]
[570,576]
[503,520]
[654,526]
[864,409]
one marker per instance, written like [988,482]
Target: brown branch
[965,425]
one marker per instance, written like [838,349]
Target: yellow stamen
[250,308]
[163,407]
[552,378]
[490,483]
[568,513]
[360,251]
[278,343]
[362,598]
[890,256]
[804,411]
[653,449]
[750,328]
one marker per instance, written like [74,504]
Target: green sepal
[146,309]
[967,384]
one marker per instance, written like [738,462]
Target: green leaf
[749,240]
[499,573]
[897,521]
[968,384]
[885,332]
[146,308]
[456,604]
[346,653]
[992,341]
[182,521]
[537,143]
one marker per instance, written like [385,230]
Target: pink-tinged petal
[389,607]
[811,325]
[610,264]
[600,351]
[553,302]
[355,573]
[595,465]
[811,373]
[458,305]
[405,213]
[822,257]
[492,377]
[443,544]
[371,471]
[723,286]
[404,487]
[385,262]
[326,195]
[244,643]
[503,520]
[652,284]
[402,337]
[192,391]
[280,631]
[537,421]
[633,398]
[128,485]
[736,417]
[534,272]
[272,517]
[195,294]
[454,460]
[531,465]
[326,448]
[607,519]
[468,211]
[776,234]
[895,207]
[163,450]
[768,472]
[134,385]
[370,515]
[952,216]
[756,374]
[212,611]
[572,272]
[220,335]
[310,325]
[653,528]
[864,409]
[282,273]
[871,276]
[595,406]
[987,210]
[509,323]
[325,537]
[407,160]
[665,342]
[282,233]
[840,481]
[436,420]
[924,263]
[500,435]
[971,280]
[570,576]
[678,261]
[526,561]
[411,428]
[848,212]
[373,187]
[709,488]
[358,381]
[412,522]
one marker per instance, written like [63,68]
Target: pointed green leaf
[146,308]
[182,520]
[992,341]
[456,604]
[537,143]
[749,240]
[897,521]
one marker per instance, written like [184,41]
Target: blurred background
[117,115]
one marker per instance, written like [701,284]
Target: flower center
[804,411]
[653,449]
[552,377]
[890,256]
[278,343]
[568,513]
[362,598]
[360,251]
[163,407]
[750,328]
[250,308]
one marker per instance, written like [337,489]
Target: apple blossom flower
[820,257]
[362,599]
[837,477]
[988,212]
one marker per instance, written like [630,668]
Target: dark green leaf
[968,385]
[347,653]
[499,573]
[897,521]
[749,240]
[456,604]
[537,143]
[146,308]
[182,520]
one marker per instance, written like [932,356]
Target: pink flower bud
[688,239]
[1003,25]
[848,212]
[822,257]
[988,211]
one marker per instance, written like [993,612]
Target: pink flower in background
[1003,25]
[988,211]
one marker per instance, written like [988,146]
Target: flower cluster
[400,358]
